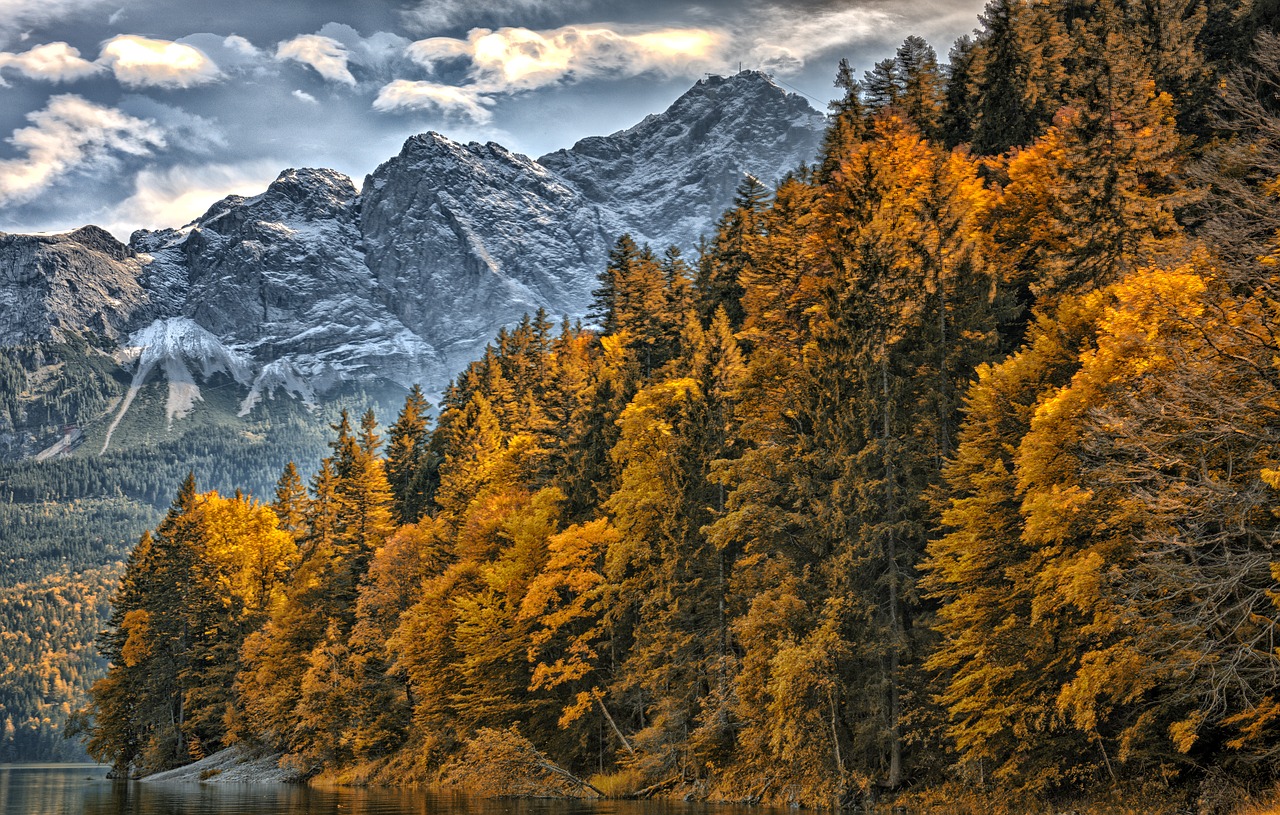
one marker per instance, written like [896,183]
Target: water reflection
[63,790]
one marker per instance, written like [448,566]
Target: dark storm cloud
[143,112]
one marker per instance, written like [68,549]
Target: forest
[950,466]
[68,523]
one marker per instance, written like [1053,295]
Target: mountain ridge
[314,284]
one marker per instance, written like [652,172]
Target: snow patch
[172,344]
[283,375]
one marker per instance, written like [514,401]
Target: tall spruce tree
[408,459]
[721,267]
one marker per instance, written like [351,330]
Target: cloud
[71,134]
[511,59]
[185,131]
[174,196]
[432,16]
[241,46]
[374,51]
[325,54]
[785,39]
[19,15]
[792,39]
[306,97]
[142,61]
[53,62]
[404,94]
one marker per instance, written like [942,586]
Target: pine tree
[345,447]
[470,464]
[407,458]
[1096,196]
[290,505]
[1000,661]
[910,83]
[365,521]
[720,269]
[613,280]
[956,121]
[848,118]
[1018,73]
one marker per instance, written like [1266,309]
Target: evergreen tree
[720,269]
[290,505]
[848,117]
[956,121]
[613,281]
[407,458]
[1018,73]
[910,83]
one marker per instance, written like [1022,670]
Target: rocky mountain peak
[311,284]
[315,193]
[97,239]
[743,124]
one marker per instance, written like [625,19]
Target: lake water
[85,790]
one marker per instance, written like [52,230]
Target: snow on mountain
[311,285]
[466,239]
[670,177]
[281,376]
[282,275]
[174,345]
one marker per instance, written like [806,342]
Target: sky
[142,113]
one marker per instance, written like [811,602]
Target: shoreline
[231,765]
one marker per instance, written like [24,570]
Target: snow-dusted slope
[465,239]
[671,176]
[310,285]
[175,346]
[282,277]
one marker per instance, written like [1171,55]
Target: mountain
[666,193]
[281,279]
[312,286]
[463,239]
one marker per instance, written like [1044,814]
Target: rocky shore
[234,765]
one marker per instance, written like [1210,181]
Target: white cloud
[17,16]
[175,196]
[241,46]
[790,39]
[374,51]
[142,61]
[71,134]
[306,97]
[404,94]
[510,59]
[186,131]
[54,62]
[325,54]
[519,59]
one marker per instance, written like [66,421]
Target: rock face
[668,194]
[311,284]
[58,284]
[464,239]
[282,278]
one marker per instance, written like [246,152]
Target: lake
[47,789]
